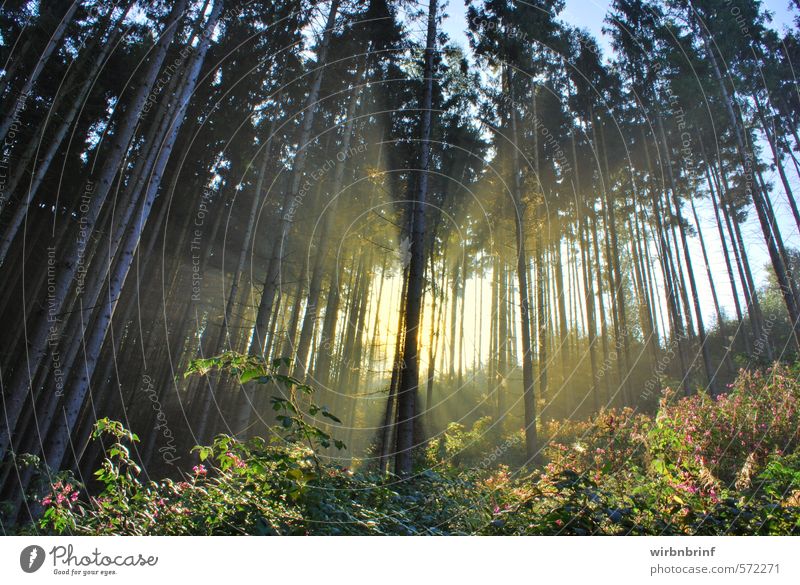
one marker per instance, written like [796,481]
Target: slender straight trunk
[675,321]
[357,317]
[770,134]
[776,232]
[287,211]
[315,283]
[387,430]
[409,380]
[328,336]
[768,224]
[541,315]
[255,205]
[582,232]
[460,382]
[431,349]
[656,309]
[638,240]
[577,322]
[589,301]
[289,340]
[511,345]
[563,330]
[348,332]
[96,191]
[720,318]
[478,366]
[707,265]
[528,390]
[502,341]
[675,260]
[249,403]
[594,242]
[724,244]
[616,279]
[491,365]
[643,299]
[740,254]
[376,337]
[355,371]
[676,203]
[453,323]
[59,439]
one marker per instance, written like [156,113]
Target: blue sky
[588,14]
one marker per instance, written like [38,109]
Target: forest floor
[698,466]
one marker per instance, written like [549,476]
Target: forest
[399,267]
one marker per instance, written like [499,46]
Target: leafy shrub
[699,466]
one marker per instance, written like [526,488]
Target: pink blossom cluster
[61,494]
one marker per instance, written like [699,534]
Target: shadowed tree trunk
[409,378]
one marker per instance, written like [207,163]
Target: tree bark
[409,379]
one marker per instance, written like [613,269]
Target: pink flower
[47,500]
[559,522]
[200,470]
[237,461]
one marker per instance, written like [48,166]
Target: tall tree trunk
[387,430]
[769,227]
[255,205]
[409,379]
[21,384]
[59,439]
[315,283]
[528,390]
[676,203]
[272,278]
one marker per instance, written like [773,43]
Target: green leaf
[250,374]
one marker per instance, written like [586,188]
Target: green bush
[699,466]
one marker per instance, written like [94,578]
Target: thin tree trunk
[769,227]
[272,278]
[21,384]
[409,379]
